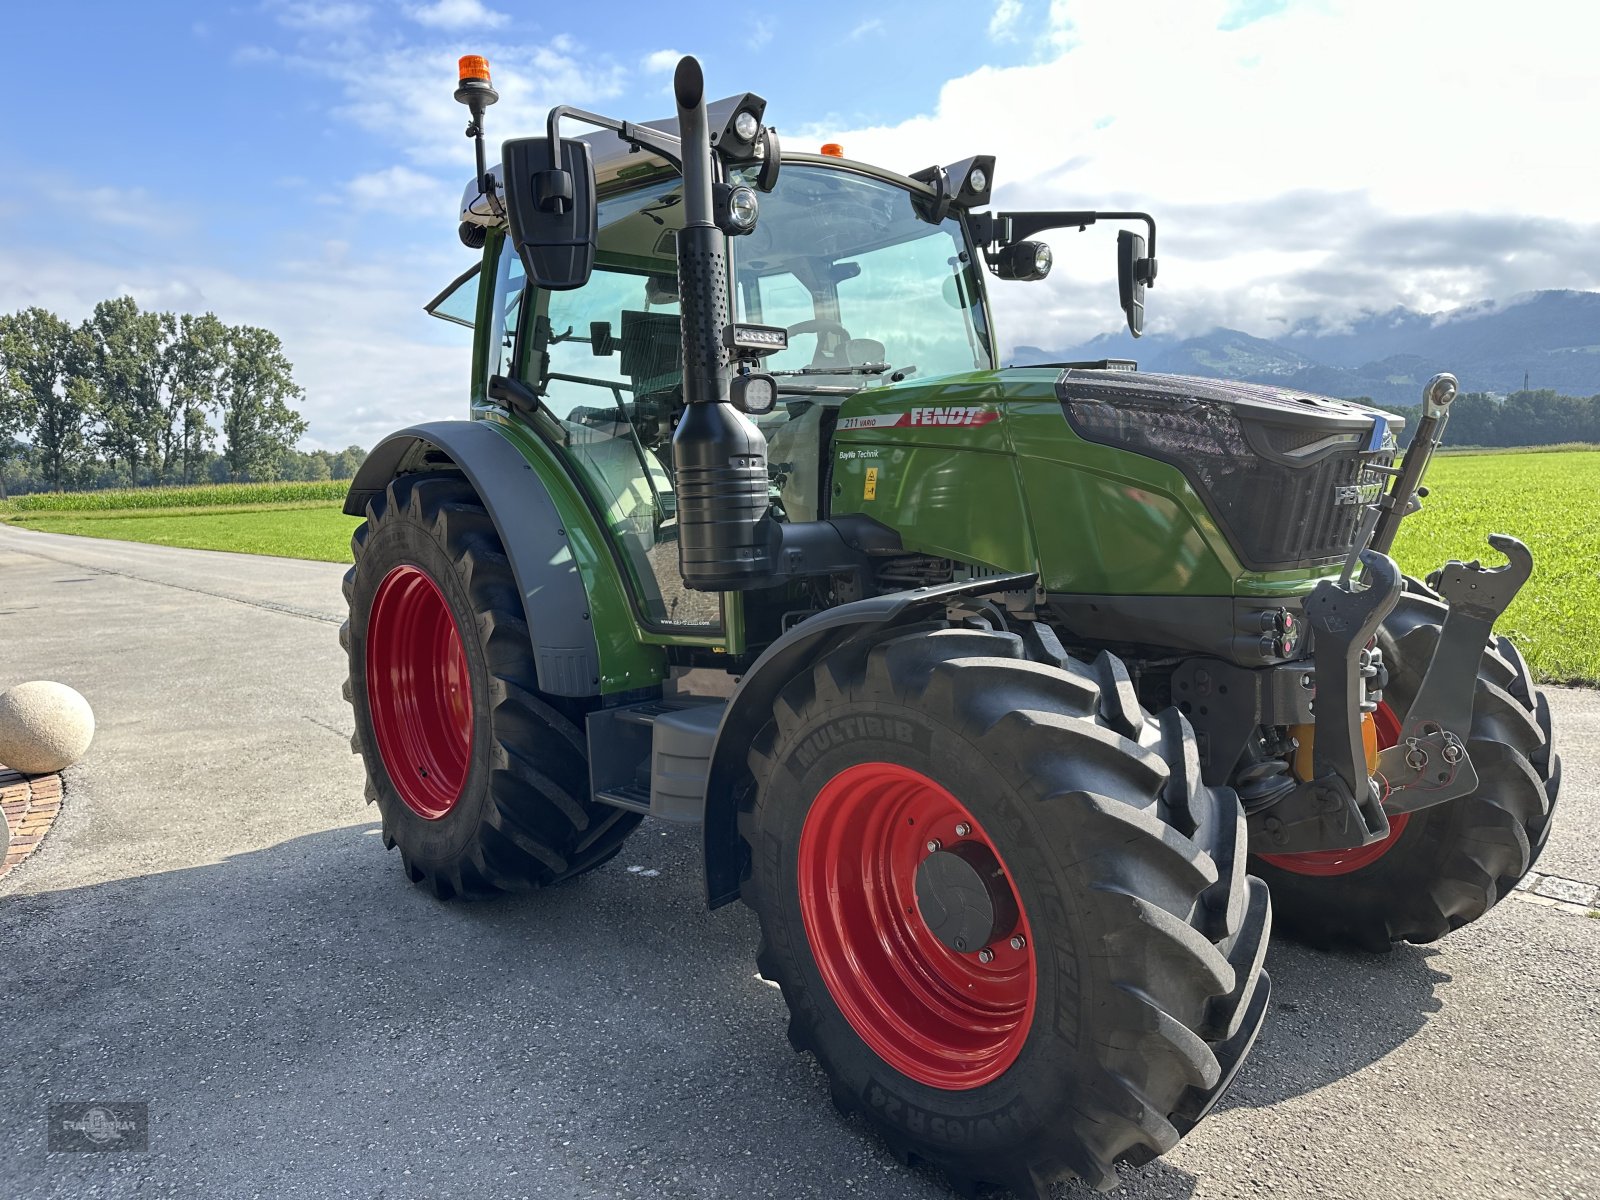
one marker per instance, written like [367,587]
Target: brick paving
[30,804]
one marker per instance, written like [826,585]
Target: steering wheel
[821,326]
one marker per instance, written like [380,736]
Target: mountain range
[1550,339]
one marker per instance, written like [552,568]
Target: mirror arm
[992,230]
[1150,223]
[637,136]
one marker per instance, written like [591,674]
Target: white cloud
[121,208]
[1422,110]
[404,192]
[870,26]
[314,16]
[660,61]
[456,14]
[1003,23]
[404,95]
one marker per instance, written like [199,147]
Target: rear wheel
[482,781]
[1007,917]
[1444,866]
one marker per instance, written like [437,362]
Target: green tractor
[1004,696]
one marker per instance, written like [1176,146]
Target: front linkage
[1344,805]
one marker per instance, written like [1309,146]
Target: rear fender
[554,599]
[750,707]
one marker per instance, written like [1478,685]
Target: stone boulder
[44,727]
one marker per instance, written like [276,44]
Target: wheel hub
[963,897]
[883,905]
[419,692]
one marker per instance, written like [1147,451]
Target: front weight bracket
[1430,763]
[1338,807]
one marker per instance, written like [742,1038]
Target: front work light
[753,394]
[1025,261]
[737,208]
[755,341]
[746,126]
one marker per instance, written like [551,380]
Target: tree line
[134,397]
[1541,417]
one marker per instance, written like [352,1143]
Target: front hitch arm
[1339,806]
[1430,764]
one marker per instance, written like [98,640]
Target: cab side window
[607,359]
[509,287]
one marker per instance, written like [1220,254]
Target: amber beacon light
[474,90]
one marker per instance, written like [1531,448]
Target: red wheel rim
[941,1018]
[419,692]
[1343,862]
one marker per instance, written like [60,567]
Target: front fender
[554,599]
[750,707]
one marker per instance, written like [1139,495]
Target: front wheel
[1007,917]
[1444,866]
[483,781]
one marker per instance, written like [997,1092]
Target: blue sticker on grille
[1380,426]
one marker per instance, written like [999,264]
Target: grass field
[1551,500]
[319,531]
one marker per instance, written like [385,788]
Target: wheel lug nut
[1018,942]
[963,829]
[986,955]
[933,845]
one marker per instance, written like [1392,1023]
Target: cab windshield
[860,281]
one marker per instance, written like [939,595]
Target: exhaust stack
[719,458]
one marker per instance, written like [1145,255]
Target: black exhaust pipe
[719,458]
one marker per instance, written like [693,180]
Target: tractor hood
[1286,474]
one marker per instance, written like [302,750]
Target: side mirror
[1133,273]
[550,207]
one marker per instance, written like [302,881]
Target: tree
[348,461]
[258,426]
[1474,420]
[16,403]
[197,360]
[37,349]
[124,360]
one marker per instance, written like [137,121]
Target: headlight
[743,208]
[1024,260]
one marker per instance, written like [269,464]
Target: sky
[297,163]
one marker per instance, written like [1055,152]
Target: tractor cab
[845,260]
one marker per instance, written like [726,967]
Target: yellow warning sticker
[870,491]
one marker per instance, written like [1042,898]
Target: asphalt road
[214,927]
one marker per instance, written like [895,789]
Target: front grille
[1284,475]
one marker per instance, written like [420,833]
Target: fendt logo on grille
[1366,490]
[959,415]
